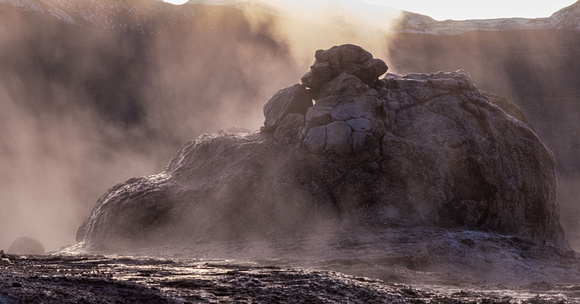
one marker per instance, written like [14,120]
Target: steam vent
[344,146]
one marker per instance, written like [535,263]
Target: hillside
[567,18]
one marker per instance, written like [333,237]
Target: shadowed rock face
[403,150]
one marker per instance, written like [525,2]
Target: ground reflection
[109,278]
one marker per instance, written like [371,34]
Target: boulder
[407,150]
[339,138]
[26,246]
[294,99]
[315,139]
[350,59]
[343,85]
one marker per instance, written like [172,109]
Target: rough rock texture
[26,245]
[113,279]
[226,186]
[349,59]
[402,151]
[294,99]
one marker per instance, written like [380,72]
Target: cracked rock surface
[347,147]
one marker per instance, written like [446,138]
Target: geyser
[402,151]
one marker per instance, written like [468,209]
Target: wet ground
[114,279]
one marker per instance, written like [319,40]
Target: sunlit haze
[480,9]
[176,2]
[441,9]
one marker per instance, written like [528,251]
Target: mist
[87,104]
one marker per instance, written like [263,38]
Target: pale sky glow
[478,9]
[176,2]
[439,9]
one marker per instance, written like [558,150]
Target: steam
[312,25]
[85,106]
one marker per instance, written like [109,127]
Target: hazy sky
[478,9]
[458,9]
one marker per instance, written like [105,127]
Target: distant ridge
[105,13]
[567,18]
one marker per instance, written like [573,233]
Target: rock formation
[26,245]
[409,150]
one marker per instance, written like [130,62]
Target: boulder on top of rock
[25,246]
[293,99]
[346,58]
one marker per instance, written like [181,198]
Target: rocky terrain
[101,279]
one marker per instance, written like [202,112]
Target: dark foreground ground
[112,279]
